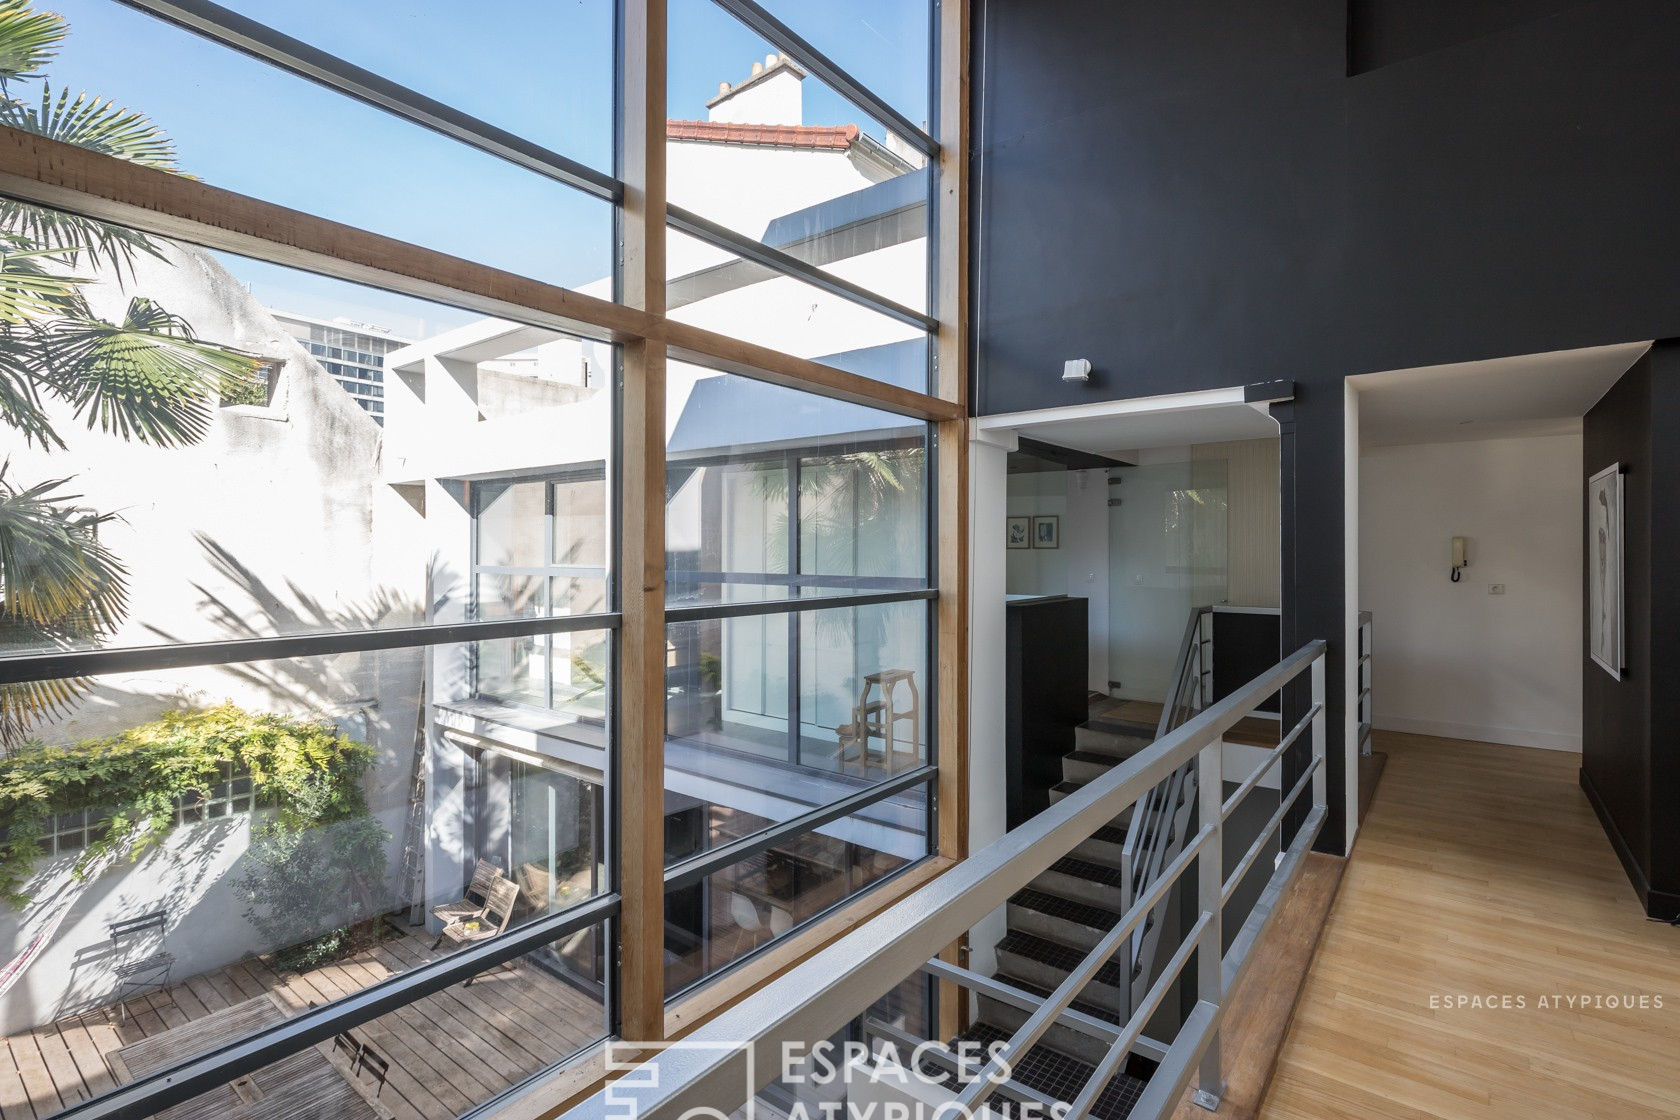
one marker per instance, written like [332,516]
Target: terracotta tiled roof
[836,137]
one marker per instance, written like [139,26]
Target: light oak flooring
[1482,870]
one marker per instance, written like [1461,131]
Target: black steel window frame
[187,1079]
[785,39]
[191,1077]
[56,664]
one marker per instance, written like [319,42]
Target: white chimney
[773,94]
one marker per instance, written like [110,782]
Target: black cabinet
[1046,656]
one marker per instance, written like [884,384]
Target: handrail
[742,1047]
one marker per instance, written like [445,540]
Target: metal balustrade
[716,1067]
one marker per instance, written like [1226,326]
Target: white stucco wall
[264,527]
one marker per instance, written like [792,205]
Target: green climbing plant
[315,850]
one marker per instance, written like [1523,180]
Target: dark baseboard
[1654,902]
[1663,905]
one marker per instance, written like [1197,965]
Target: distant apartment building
[353,353]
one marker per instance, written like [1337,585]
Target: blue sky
[539,68]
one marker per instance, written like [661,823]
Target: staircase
[1064,912]
[1056,920]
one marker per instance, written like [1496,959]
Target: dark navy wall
[1616,715]
[1630,729]
[1197,194]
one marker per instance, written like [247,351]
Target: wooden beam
[951,384]
[641,705]
[66,177]
[952,203]
[48,173]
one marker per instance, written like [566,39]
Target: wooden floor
[448,1052]
[1482,871]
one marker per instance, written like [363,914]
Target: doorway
[1465,531]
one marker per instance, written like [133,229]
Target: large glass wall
[310,709]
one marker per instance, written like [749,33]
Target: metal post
[1210,885]
[1319,778]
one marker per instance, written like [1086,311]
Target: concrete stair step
[1047,963]
[1008,1018]
[1064,788]
[1087,766]
[1106,846]
[1054,918]
[1082,881]
[1115,738]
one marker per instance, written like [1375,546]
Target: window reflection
[732,913]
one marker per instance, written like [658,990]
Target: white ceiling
[1116,435]
[1537,394]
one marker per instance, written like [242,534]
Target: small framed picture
[1020,532]
[1047,532]
[1606,639]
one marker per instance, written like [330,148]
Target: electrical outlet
[1496,589]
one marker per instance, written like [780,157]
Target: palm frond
[20,399]
[72,234]
[23,707]
[96,123]
[58,584]
[147,379]
[29,40]
[102,126]
[27,290]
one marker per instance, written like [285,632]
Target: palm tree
[148,378]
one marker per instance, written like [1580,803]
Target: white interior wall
[1080,566]
[1451,658]
[1038,571]
[988,626]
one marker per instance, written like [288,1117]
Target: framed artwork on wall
[1606,640]
[1020,532]
[1047,532]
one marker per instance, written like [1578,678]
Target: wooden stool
[878,717]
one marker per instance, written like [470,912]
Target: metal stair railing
[1156,833]
[717,1067]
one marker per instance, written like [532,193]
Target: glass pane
[759,146]
[330,869]
[501,61]
[435,1059]
[862,518]
[885,44]
[713,289]
[241,124]
[861,704]
[184,518]
[740,909]
[860,478]
[863,680]
[512,526]
[1167,554]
